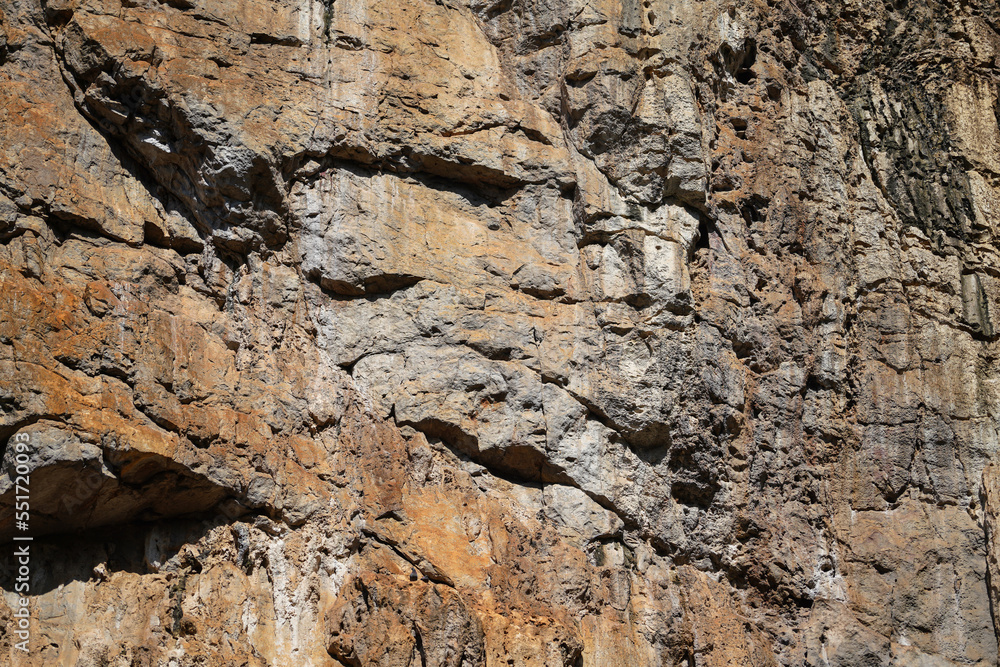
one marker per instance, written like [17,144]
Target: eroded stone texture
[446,333]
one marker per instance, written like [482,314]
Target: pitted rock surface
[620,332]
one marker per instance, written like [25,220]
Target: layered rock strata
[502,333]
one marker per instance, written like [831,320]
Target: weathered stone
[620,333]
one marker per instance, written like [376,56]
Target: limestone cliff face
[464,332]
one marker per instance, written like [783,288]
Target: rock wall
[523,332]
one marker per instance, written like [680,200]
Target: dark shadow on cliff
[98,553]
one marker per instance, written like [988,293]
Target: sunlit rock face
[621,333]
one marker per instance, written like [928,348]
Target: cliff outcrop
[623,332]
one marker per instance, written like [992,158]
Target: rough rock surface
[618,332]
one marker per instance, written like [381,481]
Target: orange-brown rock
[500,333]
